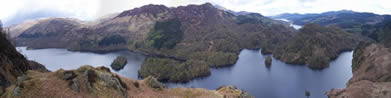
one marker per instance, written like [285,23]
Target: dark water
[249,73]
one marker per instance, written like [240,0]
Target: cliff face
[371,73]
[13,64]
[371,67]
[315,46]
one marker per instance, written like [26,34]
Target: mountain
[350,21]
[297,16]
[370,67]
[315,46]
[232,12]
[185,35]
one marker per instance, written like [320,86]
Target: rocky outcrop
[315,46]
[119,62]
[268,61]
[13,64]
[99,82]
[371,73]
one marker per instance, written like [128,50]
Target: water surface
[249,73]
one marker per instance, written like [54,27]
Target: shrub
[110,40]
[166,34]
[171,70]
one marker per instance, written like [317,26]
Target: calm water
[249,73]
[54,59]
[291,24]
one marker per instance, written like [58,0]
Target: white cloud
[91,9]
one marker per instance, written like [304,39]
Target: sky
[16,11]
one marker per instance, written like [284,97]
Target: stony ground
[371,74]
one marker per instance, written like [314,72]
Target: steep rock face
[371,67]
[13,64]
[315,46]
[371,74]
[100,82]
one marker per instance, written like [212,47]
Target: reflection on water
[281,80]
[54,59]
[291,24]
[249,73]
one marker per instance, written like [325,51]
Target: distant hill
[350,21]
[232,12]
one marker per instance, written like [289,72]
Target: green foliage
[307,93]
[112,40]
[175,71]
[119,62]
[215,59]
[268,61]
[226,45]
[315,45]
[165,34]
[252,18]
[318,62]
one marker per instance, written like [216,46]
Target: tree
[307,93]
[166,34]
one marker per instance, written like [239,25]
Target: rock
[154,83]
[71,78]
[105,85]
[74,84]
[37,66]
[371,73]
[69,75]
[119,63]
[268,61]
[13,64]
[234,92]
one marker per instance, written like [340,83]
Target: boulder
[154,83]
[119,63]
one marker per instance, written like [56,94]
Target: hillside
[13,64]
[350,21]
[20,78]
[202,34]
[315,46]
[371,65]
